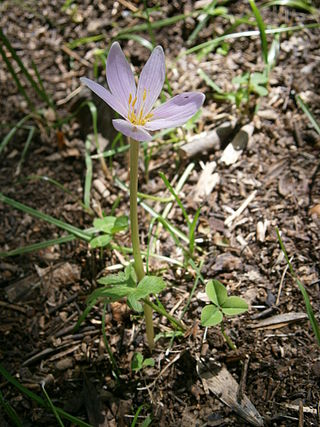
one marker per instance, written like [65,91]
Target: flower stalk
[138,264]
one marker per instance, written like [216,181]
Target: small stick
[239,211]
[301,418]
[207,141]
[281,281]
[243,379]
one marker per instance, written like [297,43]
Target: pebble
[64,364]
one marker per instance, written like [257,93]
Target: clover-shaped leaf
[211,315]
[100,241]
[149,285]
[216,292]
[234,305]
[138,362]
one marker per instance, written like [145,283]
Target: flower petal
[119,76]
[151,80]
[104,94]
[135,132]
[176,111]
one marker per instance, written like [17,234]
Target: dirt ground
[275,179]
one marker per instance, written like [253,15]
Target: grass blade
[45,96]
[10,411]
[44,217]
[174,194]
[203,22]
[21,65]
[106,342]
[215,42]
[308,113]
[53,408]
[88,178]
[37,246]
[262,30]
[38,399]
[192,229]
[25,148]
[209,81]
[158,23]
[62,188]
[10,135]
[311,316]
[94,115]
[144,42]
[296,4]
[84,40]
[16,78]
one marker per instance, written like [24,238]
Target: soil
[43,293]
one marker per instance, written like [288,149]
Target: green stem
[138,264]
[163,312]
[227,338]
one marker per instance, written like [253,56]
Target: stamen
[137,117]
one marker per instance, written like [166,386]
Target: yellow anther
[137,117]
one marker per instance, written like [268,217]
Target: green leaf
[148,362]
[234,305]
[211,316]
[258,79]
[105,224]
[216,292]
[121,223]
[149,285]
[111,224]
[115,293]
[100,241]
[134,304]
[260,90]
[243,78]
[114,279]
[136,362]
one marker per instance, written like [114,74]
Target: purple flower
[135,104]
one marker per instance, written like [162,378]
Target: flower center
[137,117]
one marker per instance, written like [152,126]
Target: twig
[239,211]
[281,281]
[243,379]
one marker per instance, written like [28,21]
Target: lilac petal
[104,94]
[176,111]
[151,81]
[119,76]
[128,129]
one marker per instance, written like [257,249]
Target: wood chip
[222,384]
[239,211]
[234,150]
[207,181]
[207,141]
[279,320]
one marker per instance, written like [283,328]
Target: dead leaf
[279,320]
[227,262]
[221,383]
[315,210]
[207,181]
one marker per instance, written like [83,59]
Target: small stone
[64,364]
